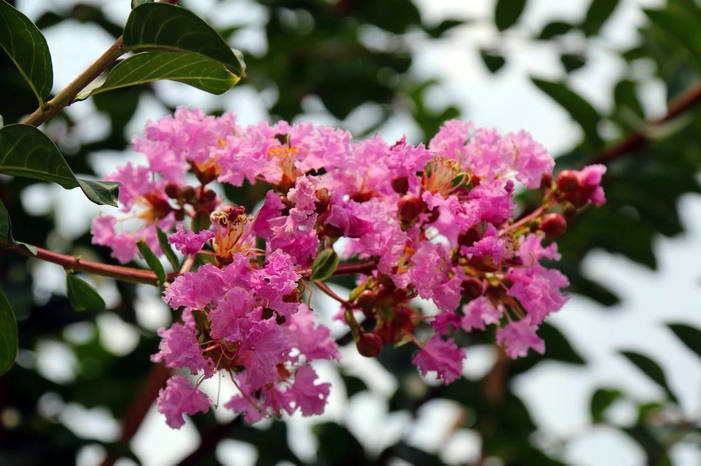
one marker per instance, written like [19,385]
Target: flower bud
[469,237]
[172,190]
[209,196]
[369,345]
[409,207]
[567,181]
[553,225]
[471,288]
[546,181]
[366,300]
[189,193]
[401,184]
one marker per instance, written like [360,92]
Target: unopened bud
[471,288]
[546,181]
[469,237]
[366,300]
[553,225]
[209,196]
[172,190]
[189,193]
[567,181]
[369,345]
[409,207]
[401,184]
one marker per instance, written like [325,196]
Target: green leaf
[8,335]
[651,369]
[324,265]
[27,48]
[152,261]
[680,25]
[188,68]
[599,11]
[167,249]
[601,400]
[690,336]
[443,27]
[579,109]
[169,27]
[572,61]
[26,151]
[507,13]
[554,29]
[6,231]
[81,294]
[135,3]
[493,61]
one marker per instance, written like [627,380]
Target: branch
[134,275]
[140,404]
[69,93]
[637,139]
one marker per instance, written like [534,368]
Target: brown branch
[140,404]
[134,275]
[637,139]
[69,93]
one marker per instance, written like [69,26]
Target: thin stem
[134,275]
[118,272]
[69,93]
[539,211]
[325,288]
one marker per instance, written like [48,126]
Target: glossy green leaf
[681,26]
[6,231]
[169,27]
[26,151]
[554,29]
[599,11]
[579,109]
[188,68]
[167,249]
[493,61]
[152,261]
[689,335]
[324,265]
[651,369]
[601,400]
[507,13]
[81,294]
[27,48]
[8,335]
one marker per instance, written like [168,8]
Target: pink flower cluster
[435,222]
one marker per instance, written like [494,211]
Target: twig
[636,139]
[140,404]
[325,288]
[69,93]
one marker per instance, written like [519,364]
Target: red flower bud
[471,288]
[172,190]
[546,181]
[553,225]
[369,345]
[366,300]
[409,207]
[469,237]
[567,181]
[401,184]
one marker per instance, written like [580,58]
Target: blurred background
[620,381]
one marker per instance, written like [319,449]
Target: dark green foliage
[152,261]
[650,368]
[597,14]
[81,294]
[689,335]
[601,400]
[8,334]
[493,61]
[507,13]
[324,265]
[26,47]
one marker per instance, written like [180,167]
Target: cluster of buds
[435,222]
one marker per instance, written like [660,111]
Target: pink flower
[518,337]
[478,312]
[180,397]
[180,349]
[189,242]
[590,180]
[441,356]
[308,397]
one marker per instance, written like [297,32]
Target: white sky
[557,394]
